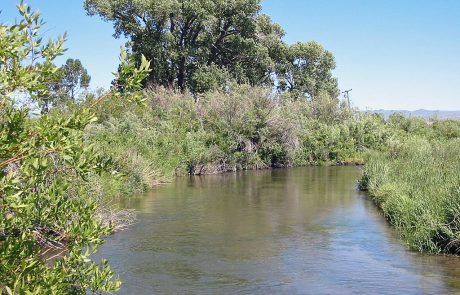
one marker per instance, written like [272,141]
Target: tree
[195,44]
[183,37]
[49,225]
[74,77]
[305,70]
[66,83]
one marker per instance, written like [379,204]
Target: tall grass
[242,128]
[417,185]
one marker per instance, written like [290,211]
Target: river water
[283,231]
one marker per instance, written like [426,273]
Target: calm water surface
[286,231]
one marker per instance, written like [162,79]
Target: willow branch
[21,156]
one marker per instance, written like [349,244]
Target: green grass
[417,185]
[244,128]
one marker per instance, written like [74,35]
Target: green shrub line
[411,163]
[246,127]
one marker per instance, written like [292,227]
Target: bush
[49,224]
[243,127]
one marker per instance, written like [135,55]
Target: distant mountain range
[421,113]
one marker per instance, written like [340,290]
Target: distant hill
[421,113]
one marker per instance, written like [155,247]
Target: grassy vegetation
[417,185]
[228,113]
[243,128]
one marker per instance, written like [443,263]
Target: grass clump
[417,185]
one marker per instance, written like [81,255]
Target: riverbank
[417,186]
[246,128]
[176,134]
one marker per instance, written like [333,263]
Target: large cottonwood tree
[184,37]
[198,44]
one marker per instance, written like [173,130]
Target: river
[282,231]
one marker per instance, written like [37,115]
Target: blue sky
[394,54]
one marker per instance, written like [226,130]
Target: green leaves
[183,37]
[305,71]
[65,85]
[46,216]
[26,63]
[129,78]
[195,44]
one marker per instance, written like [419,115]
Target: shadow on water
[289,231]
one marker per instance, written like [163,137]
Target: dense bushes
[49,225]
[242,128]
[417,185]
[250,128]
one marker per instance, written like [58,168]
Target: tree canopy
[195,44]
[66,84]
[182,38]
[305,70]
[73,77]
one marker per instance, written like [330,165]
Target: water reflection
[292,231]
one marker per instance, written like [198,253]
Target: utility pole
[346,95]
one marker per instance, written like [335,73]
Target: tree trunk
[181,74]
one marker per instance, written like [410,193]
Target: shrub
[49,224]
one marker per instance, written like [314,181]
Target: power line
[346,95]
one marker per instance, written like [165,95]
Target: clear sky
[394,54]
